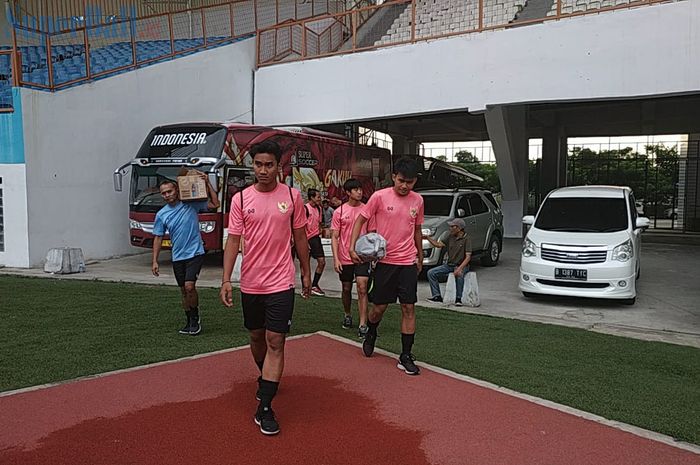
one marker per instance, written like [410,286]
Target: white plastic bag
[470,296]
[450,289]
[470,293]
[236,276]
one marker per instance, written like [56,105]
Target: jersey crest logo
[413,212]
[282,207]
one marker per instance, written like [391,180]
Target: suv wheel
[492,253]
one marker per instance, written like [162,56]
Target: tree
[469,162]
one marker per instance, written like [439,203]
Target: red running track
[334,406]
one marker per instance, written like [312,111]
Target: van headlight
[623,252]
[427,231]
[529,249]
[207,226]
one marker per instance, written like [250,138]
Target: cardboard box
[192,186]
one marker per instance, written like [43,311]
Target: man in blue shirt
[181,221]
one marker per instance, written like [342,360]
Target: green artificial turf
[62,329]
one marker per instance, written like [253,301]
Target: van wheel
[493,252]
[629,301]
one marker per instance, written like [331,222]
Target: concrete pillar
[554,153]
[506,126]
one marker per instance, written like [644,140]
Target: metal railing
[408,21]
[56,60]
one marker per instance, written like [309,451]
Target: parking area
[666,310]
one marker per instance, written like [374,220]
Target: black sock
[317,278]
[267,390]
[188,314]
[406,343]
[194,311]
[372,327]
[260,363]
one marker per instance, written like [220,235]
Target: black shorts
[395,281]
[270,311]
[188,270]
[350,272]
[316,247]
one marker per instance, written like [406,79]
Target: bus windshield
[145,193]
[184,142]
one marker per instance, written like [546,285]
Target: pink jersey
[396,218]
[313,221]
[343,221]
[265,225]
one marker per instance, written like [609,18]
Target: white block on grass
[64,260]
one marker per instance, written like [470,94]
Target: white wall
[14,198]
[645,51]
[74,139]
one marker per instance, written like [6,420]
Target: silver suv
[481,214]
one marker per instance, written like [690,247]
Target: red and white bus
[310,159]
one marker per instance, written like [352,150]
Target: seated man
[459,253]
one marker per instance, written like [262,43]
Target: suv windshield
[437,205]
[145,193]
[583,215]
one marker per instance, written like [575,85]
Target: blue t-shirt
[182,223]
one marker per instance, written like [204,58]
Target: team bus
[310,159]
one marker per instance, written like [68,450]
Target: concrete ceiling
[648,116]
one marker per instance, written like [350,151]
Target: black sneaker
[185,329]
[362,331]
[406,364]
[347,322]
[195,326]
[265,419]
[436,298]
[368,344]
[458,302]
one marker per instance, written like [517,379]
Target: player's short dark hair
[311,193]
[351,184]
[167,181]
[267,146]
[407,167]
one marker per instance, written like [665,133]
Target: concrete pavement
[666,310]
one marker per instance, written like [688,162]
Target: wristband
[224,282]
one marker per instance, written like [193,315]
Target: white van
[584,242]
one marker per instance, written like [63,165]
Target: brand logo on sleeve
[283,207]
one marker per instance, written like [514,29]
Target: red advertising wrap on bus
[310,159]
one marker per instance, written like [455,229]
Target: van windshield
[583,215]
[437,205]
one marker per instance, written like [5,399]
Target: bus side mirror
[118,181]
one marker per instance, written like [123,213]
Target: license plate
[569,273]
[165,243]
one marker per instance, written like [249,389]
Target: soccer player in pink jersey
[398,216]
[267,215]
[341,226]
[313,235]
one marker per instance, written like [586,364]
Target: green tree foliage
[652,175]
[471,163]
